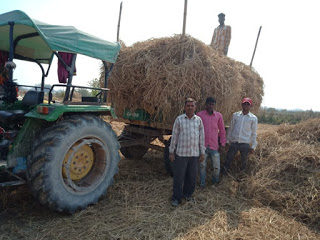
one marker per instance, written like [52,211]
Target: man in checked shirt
[186,149]
[221,36]
[241,135]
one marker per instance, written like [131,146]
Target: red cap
[248,100]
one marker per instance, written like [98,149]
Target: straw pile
[285,172]
[159,74]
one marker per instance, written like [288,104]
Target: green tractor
[63,149]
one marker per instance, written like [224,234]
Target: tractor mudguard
[23,142]
[51,112]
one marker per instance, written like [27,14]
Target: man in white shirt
[242,135]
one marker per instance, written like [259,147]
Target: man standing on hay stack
[187,144]
[213,130]
[242,135]
[221,36]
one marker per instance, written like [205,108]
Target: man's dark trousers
[244,149]
[184,176]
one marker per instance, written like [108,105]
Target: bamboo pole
[118,31]
[254,51]
[184,18]
[184,28]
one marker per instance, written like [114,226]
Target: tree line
[279,116]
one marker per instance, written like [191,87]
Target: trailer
[140,131]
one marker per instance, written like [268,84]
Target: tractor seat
[11,115]
[30,98]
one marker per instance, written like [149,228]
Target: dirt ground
[137,206]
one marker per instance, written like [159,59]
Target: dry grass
[278,199]
[285,172]
[159,74]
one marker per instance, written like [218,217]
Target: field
[277,199]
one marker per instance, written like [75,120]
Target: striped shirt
[187,138]
[243,129]
[221,39]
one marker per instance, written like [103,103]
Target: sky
[286,56]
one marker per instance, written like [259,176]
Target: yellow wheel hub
[81,162]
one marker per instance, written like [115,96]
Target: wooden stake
[118,31]
[184,18]
[255,46]
[183,29]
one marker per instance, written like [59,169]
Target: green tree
[96,84]
[83,92]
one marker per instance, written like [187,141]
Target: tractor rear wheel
[73,163]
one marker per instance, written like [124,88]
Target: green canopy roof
[52,38]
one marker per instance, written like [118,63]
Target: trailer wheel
[73,163]
[136,151]
[167,163]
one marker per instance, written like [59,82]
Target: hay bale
[159,74]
